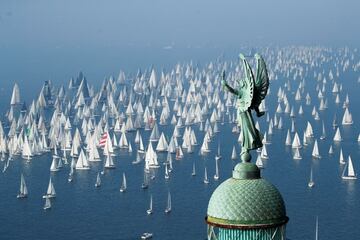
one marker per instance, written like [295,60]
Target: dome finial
[245,156]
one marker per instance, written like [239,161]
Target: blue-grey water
[82,212]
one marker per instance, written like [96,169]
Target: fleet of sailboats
[170,116]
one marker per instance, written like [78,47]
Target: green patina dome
[246,201]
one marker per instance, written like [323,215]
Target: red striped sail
[103,139]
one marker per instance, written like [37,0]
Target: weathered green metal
[246,200]
[246,171]
[250,93]
[277,233]
[246,206]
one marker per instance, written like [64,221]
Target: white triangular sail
[337,137]
[315,152]
[54,165]
[15,97]
[23,192]
[109,162]
[82,162]
[233,153]
[297,155]
[162,145]
[350,170]
[296,141]
[50,193]
[347,118]
[259,162]
[151,157]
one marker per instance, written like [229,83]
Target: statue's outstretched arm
[227,86]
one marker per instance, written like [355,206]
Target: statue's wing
[261,81]
[246,88]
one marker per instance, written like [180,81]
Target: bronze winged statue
[250,93]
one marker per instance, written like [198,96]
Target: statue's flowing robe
[251,137]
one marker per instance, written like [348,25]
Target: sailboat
[54,165]
[259,162]
[264,154]
[350,170]
[233,154]
[71,174]
[334,123]
[15,97]
[323,135]
[150,210]
[179,153]
[146,235]
[168,206]
[193,173]
[337,137]
[296,141]
[137,159]
[204,147]
[123,185]
[50,193]
[218,155]
[167,176]
[151,157]
[145,184]
[141,145]
[315,152]
[98,180]
[47,204]
[216,176]
[297,155]
[341,157]
[23,192]
[109,163]
[311,181]
[169,162]
[309,130]
[26,150]
[206,180]
[82,162]
[347,118]
[162,145]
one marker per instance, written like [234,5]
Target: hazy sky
[194,23]
[55,39]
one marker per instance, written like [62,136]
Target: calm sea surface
[82,212]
